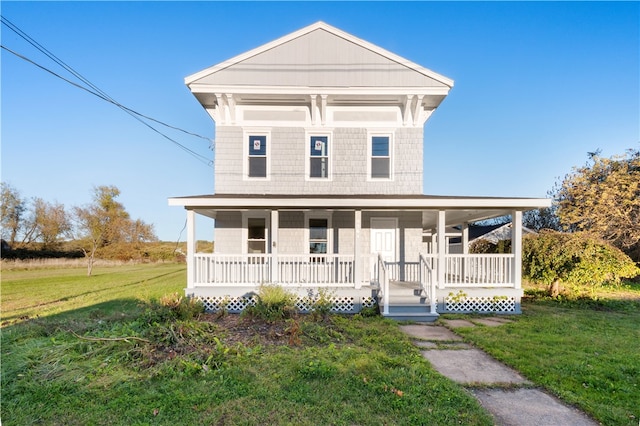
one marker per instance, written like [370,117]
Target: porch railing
[479,270]
[255,269]
[461,270]
[331,269]
[403,271]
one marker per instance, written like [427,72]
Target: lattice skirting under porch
[340,304]
[481,304]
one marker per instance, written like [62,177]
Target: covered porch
[418,280]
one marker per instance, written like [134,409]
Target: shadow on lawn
[116,309]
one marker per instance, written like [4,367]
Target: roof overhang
[459,209]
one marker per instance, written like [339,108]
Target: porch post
[275,226]
[516,247]
[441,241]
[465,248]
[465,238]
[191,248]
[357,248]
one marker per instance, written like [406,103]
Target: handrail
[383,280]
[428,282]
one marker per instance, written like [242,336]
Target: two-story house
[318,184]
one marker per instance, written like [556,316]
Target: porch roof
[459,208]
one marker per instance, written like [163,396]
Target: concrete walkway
[509,397]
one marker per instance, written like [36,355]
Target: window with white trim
[319,157]
[318,235]
[256,235]
[257,165]
[380,149]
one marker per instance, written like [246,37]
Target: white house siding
[228,236]
[320,59]
[288,156]
[291,234]
[291,239]
[343,222]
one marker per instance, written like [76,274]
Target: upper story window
[257,156]
[381,157]
[319,157]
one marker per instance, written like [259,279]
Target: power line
[97,91]
[67,67]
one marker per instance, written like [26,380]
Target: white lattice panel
[480,304]
[345,304]
[304,304]
[231,304]
[368,302]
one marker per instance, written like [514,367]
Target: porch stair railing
[411,298]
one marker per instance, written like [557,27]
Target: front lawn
[586,352]
[127,359]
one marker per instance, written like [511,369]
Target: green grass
[43,292]
[99,351]
[586,352]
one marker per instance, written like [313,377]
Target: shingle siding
[288,154]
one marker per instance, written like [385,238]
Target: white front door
[383,238]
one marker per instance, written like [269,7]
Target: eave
[367,202]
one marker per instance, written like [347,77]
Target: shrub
[483,246]
[578,260]
[173,307]
[272,303]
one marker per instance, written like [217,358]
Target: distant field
[44,292]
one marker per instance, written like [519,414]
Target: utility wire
[67,67]
[98,92]
[199,157]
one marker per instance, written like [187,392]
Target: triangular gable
[319,56]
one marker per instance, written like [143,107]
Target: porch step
[409,308]
[429,317]
[407,303]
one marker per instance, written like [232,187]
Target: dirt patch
[254,331]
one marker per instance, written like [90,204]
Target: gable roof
[319,55]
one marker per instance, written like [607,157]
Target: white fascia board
[319,25]
[306,90]
[361,203]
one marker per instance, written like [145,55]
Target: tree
[11,211]
[106,224]
[603,197]
[50,221]
[539,219]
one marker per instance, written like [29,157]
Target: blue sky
[537,86]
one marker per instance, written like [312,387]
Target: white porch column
[516,247]
[191,248]
[275,226]
[465,238]
[357,248]
[465,248]
[441,242]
